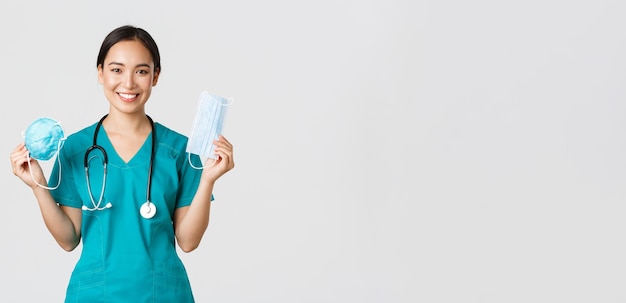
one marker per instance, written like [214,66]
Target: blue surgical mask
[44,138]
[207,125]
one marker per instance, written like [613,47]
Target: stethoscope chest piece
[148,210]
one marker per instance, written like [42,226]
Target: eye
[116,70]
[143,72]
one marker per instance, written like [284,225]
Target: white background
[386,151]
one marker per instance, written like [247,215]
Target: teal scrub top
[125,257]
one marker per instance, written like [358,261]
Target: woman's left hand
[213,169]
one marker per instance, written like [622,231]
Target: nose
[129,81]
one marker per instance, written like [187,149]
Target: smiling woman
[130,224]
[127,75]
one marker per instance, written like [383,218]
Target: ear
[155,78]
[100,80]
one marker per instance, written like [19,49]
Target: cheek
[145,83]
[108,81]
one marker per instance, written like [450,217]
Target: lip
[128,97]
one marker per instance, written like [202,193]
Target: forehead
[129,52]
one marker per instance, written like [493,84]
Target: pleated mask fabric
[207,125]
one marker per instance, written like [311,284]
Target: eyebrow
[138,65]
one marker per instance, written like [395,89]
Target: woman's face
[127,76]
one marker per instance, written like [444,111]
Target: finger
[226,158]
[221,141]
[224,152]
[19,157]
[222,138]
[227,148]
[20,148]
[223,145]
[18,165]
[209,162]
[219,156]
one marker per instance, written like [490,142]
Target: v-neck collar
[141,157]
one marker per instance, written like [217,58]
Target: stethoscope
[148,209]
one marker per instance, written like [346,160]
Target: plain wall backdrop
[386,151]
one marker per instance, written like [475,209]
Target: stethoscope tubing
[105,162]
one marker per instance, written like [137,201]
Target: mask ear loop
[30,169]
[191,164]
[230,102]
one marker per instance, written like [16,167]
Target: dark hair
[126,33]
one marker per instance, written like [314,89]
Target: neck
[120,122]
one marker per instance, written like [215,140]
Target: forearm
[58,222]
[193,222]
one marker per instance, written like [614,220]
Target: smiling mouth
[128,96]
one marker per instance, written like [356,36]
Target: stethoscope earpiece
[109,205]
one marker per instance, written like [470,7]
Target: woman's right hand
[22,169]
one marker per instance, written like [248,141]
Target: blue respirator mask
[207,125]
[44,139]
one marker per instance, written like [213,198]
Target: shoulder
[170,139]
[79,141]
[166,134]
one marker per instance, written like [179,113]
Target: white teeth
[127,96]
